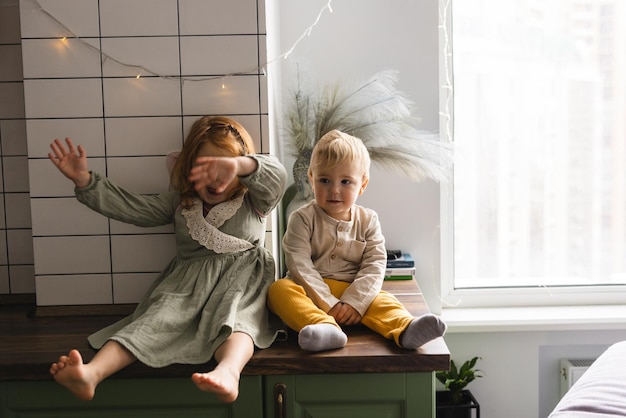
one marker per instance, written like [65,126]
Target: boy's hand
[345,314]
[72,162]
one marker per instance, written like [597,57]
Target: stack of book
[400,266]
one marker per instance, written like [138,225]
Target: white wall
[360,38]
[126,123]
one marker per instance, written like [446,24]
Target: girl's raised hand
[70,161]
[214,172]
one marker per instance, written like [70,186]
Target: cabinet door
[129,398]
[367,395]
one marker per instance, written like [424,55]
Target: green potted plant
[456,401]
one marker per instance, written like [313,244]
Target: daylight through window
[540,138]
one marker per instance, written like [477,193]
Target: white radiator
[571,370]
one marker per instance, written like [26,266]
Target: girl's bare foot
[71,372]
[221,381]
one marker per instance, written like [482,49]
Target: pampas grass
[375,111]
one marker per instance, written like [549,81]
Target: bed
[600,391]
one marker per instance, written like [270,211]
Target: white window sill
[552,318]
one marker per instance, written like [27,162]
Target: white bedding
[601,390]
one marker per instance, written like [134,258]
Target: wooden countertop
[29,343]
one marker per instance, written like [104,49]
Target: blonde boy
[336,259]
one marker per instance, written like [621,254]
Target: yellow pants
[385,315]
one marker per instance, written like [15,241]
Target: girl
[210,301]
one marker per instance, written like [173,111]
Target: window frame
[492,297]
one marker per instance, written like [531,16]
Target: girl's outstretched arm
[70,161]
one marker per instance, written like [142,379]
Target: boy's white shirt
[311,240]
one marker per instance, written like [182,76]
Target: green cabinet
[362,395]
[129,398]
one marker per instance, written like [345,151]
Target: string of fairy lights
[142,70]
[447,86]
[446,135]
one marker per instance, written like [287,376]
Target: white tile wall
[126,124]
[13,135]
[81,98]
[231,95]
[66,216]
[3,226]
[87,132]
[17,211]
[138,17]
[11,64]
[263,81]
[20,247]
[140,97]
[200,17]
[5,288]
[10,23]
[143,136]
[16,248]
[62,58]
[22,278]
[253,125]
[130,172]
[78,289]
[72,254]
[79,16]
[214,50]
[12,103]
[16,168]
[46,181]
[158,54]
[4,259]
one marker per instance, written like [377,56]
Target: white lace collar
[205,232]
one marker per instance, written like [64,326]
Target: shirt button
[339,244]
[333,256]
[340,228]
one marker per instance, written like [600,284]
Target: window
[538,119]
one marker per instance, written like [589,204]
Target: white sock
[320,337]
[421,330]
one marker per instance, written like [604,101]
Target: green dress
[217,282]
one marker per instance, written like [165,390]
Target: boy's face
[337,188]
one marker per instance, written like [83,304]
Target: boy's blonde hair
[337,147]
[221,131]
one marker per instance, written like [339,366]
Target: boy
[336,259]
